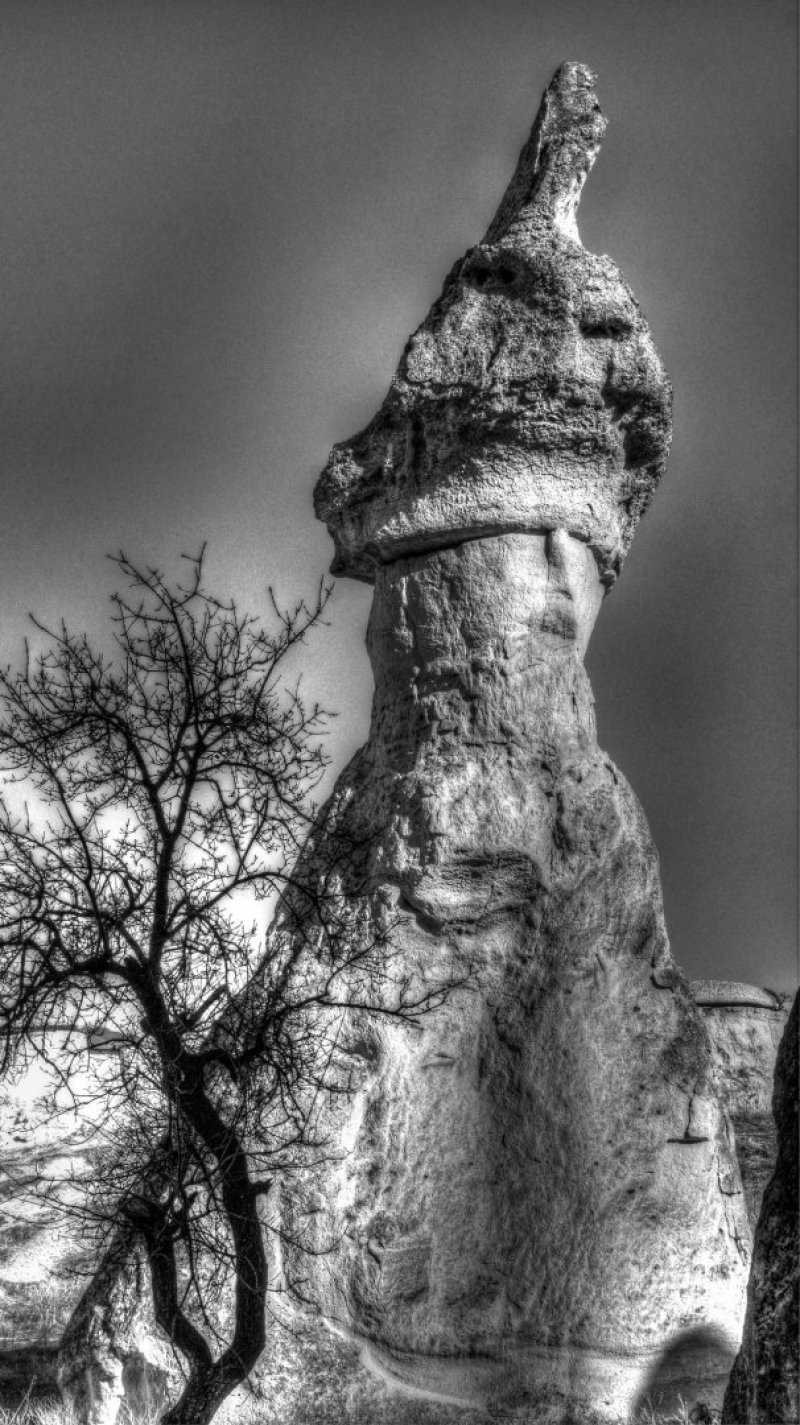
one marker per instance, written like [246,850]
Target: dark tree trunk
[210,1381]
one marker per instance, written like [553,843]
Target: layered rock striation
[540,1208]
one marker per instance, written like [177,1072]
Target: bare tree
[148,789]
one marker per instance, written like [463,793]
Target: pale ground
[46,1150]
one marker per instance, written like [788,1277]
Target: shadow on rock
[692,1372]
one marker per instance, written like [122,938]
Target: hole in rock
[501,276]
[614,327]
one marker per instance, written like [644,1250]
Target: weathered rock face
[745,1024]
[531,398]
[765,1382]
[111,1350]
[529,1205]
[540,1208]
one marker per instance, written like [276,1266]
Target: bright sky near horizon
[221,220]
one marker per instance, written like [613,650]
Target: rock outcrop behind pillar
[745,1024]
[764,1388]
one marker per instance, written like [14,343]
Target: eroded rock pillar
[539,1208]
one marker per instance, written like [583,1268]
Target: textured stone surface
[541,1193]
[764,1387]
[529,1207]
[745,1024]
[48,1152]
[530,398]
[540,1210]
[732,994]
[111,1350]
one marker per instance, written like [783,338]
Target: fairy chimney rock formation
[528,1206]
[539,1208]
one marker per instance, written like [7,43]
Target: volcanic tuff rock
[111,1349]
[745,1024]
[541,1202]
[536,1211]
[765,1382]
[531,398]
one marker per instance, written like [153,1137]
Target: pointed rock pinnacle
[553,166]
[530,399]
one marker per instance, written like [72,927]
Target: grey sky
[221,222]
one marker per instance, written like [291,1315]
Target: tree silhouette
[148,789]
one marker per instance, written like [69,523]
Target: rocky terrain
[47,1253]
[534,1209]
[541,1207]
[45,1266]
